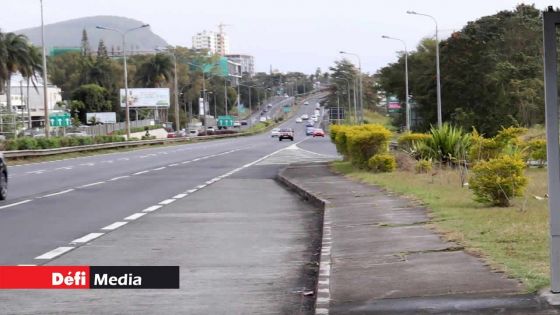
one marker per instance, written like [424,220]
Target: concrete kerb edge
[322,296]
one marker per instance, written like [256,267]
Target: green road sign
[60,120]
[225,121]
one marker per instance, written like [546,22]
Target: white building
[28,100]
[247,62]
[205,40]
[216,43]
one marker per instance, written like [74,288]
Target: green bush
[423,166]
[365,141]
[26,143]
[382,163]
[446,144]
[10,145]
[498,180]
[536,150]
[338,136]
[484,149]
[407,139]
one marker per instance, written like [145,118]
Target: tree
[155,72]
[85,48]
[16,55]
[94,99]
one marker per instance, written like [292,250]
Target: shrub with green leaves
[382,163]
[407,139]
[26,143]
[365,141]
[446,144]
[423,166]
[498,180]
[338,136]
[536,150]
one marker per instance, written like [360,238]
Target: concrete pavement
[378,256]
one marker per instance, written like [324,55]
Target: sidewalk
[379,257]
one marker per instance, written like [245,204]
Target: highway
[57,213]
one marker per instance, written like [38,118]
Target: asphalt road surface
[244,243]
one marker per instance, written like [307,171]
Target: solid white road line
[139,173]
[87,238]
[92,184]
[59,193]
[167,201]
[15,204]
[135,216]
[179,196]
[55,252]
[200,186]
[113,226]
[152,208]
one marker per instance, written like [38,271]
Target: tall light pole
[123,37]
[361,87]
[45,98]
[439,115]
[175,86]
[405,78]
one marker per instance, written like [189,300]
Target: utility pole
[45,97]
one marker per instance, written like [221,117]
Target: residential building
[222,43]
[206,40]
[247,62]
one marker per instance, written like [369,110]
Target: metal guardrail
[91,147]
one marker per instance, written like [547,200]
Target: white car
[305,117]
[262,119]
[237,124]
[275,132]
[299,120]
[306,103]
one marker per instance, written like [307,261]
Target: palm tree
[16,56]
[155,72]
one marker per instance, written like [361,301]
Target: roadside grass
[513,240]
[374,117]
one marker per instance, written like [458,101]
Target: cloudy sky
[290,35]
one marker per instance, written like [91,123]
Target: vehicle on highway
[306,103]
[269,105]
[318,133]
[309,131]
[310,123]
[262,119]
[210,129]
[243,123]
[286,133]
[317,106]
[305,117]
[275,132]
[77,134]
[237,124]
[3,178]
[299,120]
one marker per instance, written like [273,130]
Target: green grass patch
[513,240]
[373,117]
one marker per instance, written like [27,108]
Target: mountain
[68,34]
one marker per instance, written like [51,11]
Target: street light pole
[361,86]
[438,77]
[127,105]
[405,78]
[45,98]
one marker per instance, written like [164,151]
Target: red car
[318,133]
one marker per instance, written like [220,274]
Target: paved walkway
[379,257]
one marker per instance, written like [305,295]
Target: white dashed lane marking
[114,226]
[119,177]
[87,238]
[55,252]
[152,208]
[140,173]
[15,204]
[159,168]
[59,193]
[179,196]
[135,216]
[167,201]
[92,184]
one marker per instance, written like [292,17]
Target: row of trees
[491,73]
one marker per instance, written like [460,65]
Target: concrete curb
[323,296]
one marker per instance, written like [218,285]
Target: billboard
[154,97]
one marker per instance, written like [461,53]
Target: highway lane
[73,199]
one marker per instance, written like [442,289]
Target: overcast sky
[290,35]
